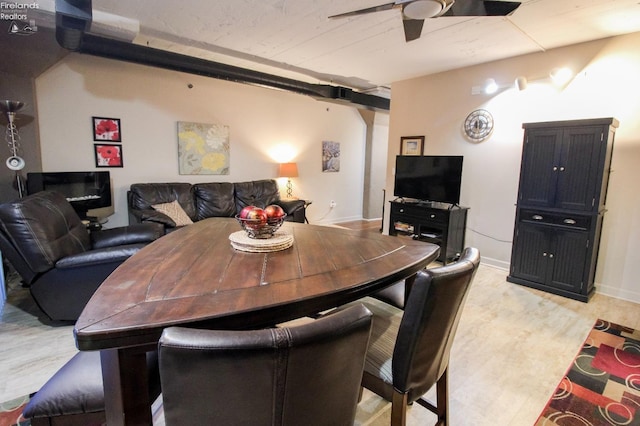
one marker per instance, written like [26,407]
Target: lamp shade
[10,106]
[288,170]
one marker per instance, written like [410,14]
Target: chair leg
[399,409]
[442,390]
[441,407]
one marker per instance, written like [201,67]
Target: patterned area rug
[602,386]
[11,412]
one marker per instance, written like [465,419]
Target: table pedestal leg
[126,387]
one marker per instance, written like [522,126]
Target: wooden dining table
[194,277]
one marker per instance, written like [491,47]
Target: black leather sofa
[63,264]
[204,200]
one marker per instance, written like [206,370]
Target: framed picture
[203,149]
[108,155]
[411,145]
[330,156]
[106,129]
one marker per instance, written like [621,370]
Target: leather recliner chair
[63,264]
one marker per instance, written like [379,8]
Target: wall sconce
[490,86]
[288,170]
[14,162]
[561,76]
[521,83]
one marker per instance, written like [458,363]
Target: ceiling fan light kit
[414,12]
[424,9]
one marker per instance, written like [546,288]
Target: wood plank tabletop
[194,277]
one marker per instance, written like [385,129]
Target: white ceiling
[294,38]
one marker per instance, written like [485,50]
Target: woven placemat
[280,241]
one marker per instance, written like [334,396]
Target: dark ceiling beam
[72,20]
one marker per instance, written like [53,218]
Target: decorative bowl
[256,228]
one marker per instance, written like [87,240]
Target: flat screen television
[84,190]
[429,178]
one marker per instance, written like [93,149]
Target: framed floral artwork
[203,149]
[411,145]
[106,129]
[108,155]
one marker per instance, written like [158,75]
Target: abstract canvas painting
[203,149]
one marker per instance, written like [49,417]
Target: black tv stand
[427,203]
[437,223]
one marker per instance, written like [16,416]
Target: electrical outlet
[332,204]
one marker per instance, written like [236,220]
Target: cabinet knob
[550,255]
[544,254]
[569,221]
[432,216]
[562,169]
[555,169]
[537,217]
[401,210]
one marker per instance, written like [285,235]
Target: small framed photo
[106,129]
[108,155]
[411,145]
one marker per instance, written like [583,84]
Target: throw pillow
[175,211]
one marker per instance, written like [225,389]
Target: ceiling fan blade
[387,6]
[501,8]
[412,28]
[482,8]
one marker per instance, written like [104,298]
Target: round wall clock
[478,125]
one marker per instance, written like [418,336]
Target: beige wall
[150,102]
[606,86]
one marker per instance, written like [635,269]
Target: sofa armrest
[99,256]
[151,215]
[132,234]
[291,206]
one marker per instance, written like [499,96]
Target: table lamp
[288,170]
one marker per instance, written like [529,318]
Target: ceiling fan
[414,12]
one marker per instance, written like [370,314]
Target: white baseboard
[495,263]
[331,221]
[607,290]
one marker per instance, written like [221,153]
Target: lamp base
[289,189]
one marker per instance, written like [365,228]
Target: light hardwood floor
[513,346]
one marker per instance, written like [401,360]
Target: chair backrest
[40,229]
[301,375]
[429,324]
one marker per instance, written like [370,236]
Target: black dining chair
[300,375]
[409,350]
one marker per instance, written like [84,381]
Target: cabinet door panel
[578,164]
[569,259]
[530,253]
[540,161]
